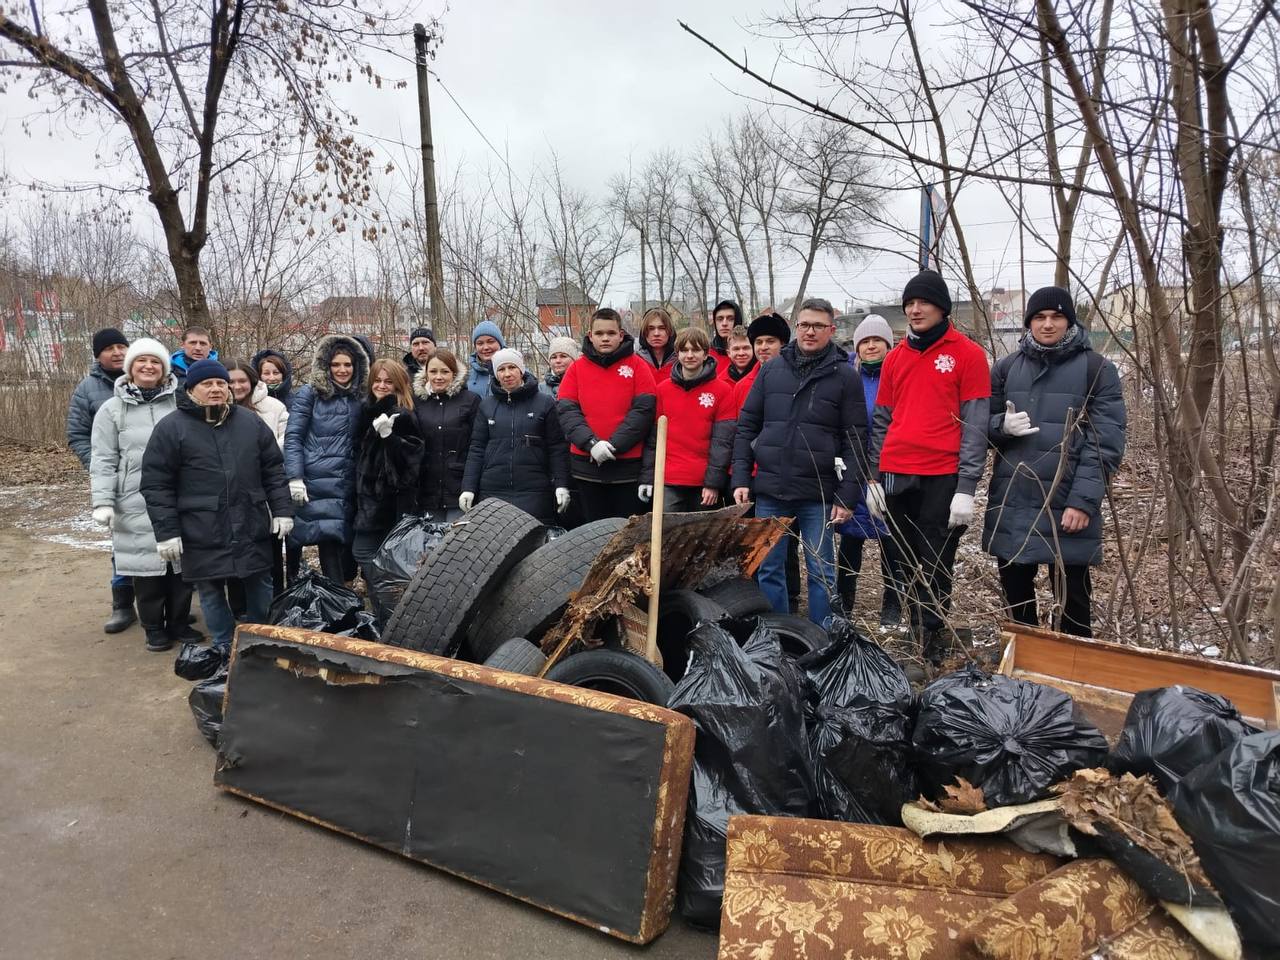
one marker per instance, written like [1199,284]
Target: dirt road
[115,844]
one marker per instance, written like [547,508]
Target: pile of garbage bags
[313,602]
[398,559]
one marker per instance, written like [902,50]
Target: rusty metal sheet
[693,546]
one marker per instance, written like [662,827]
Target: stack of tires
[495,585]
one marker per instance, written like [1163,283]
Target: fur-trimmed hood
[329,345]
[422,390]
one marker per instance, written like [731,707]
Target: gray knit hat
[873,325]
[563,345]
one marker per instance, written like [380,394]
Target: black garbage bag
[197,661]
[398,559]
[1170,731]
[858,716]
[750,755]
[205,699]
[362,625]
[316,603]
[1011,737]
[1230,807]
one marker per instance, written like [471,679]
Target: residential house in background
[563,310]
[371,317]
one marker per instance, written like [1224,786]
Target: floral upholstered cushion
[1084,909]
[822,890]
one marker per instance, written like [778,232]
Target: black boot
[177,606]
[937,646]
[122,615]
[890,608]
[151,597]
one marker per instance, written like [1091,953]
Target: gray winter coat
[121,430]
[90,394]
[1017,528]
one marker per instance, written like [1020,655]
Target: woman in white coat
[143,396]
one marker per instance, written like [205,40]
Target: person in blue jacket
[872,341]
[320,449]
[486,340]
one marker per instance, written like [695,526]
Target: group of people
[885,443]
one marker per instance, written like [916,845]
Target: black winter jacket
[284,389]
[445,421]
[216,487]
[792,429]
[388,467]
[1016,527]
[518,451]
[90,394]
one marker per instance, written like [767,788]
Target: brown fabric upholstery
[818,889]
[821,890]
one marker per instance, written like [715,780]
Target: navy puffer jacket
[1017,528]
[792,428]
[518,451]
[321,444]
[90,394]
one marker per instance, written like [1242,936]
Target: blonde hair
[399,381]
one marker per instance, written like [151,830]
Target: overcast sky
[602,84]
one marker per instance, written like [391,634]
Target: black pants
[921,547]
[332,564]
[1018,580]
[163,603]
[292,564]
[849,565]
[601,500]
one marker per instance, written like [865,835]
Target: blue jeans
[817,536]
[217,611]
[118,579]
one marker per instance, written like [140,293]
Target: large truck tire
[458,577]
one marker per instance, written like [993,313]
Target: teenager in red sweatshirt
[725,315]
[742,359]
[606,405]
[700,416]
[655,346]
[928,451]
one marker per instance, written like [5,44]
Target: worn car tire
[798,635]
[532,597]
[517,655]
[615,671]
[456,577]
[679,611]
[740,597]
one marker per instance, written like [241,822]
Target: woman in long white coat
[144,395]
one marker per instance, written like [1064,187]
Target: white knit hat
[873,325]
[146,347]
[563,345]
[507,355]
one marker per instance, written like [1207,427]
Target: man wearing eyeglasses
[800,425]
[928,451]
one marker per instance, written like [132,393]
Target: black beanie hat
[1050,298]
[422,332]
[928,285]
[108,338]
[770,325]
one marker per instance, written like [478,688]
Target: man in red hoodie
[606,406]
[928,451]
[724,317]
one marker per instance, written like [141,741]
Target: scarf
[923,341]
[216,414]
[871,366]
[735,374]
[803,363]
[274,389]
[1034,348]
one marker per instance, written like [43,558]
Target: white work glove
[876,505]
[281,526]
[645,492]
[1017,424]
[840,468]
[170,550]
[961,510]
[383,424]
[465,501]
[602,451]
[562,499]
[105,516]
[298,490]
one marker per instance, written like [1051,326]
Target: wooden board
[1103,676]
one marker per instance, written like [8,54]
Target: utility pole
[644,296]
[435,268]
